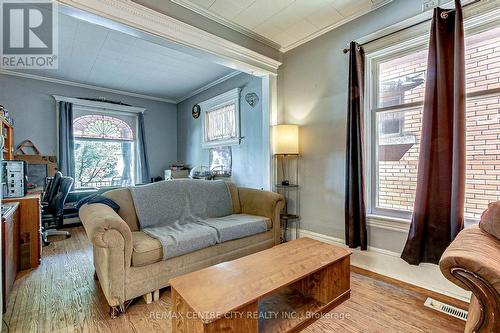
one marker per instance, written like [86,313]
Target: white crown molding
[208,86]
[239,28]
[388,263]
[333,26]
[231,25]
[99,105]
[380,3]
[139,17]
[86,86]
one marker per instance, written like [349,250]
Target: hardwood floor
[62,296]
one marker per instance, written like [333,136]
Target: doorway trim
[131,18]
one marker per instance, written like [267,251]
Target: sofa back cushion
[123,198]
[490,220]
[180,201]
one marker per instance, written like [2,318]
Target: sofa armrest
[263,203]
[472,261]
[475,251]
[112,246]
[98,220]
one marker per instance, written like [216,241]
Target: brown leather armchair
[472,261]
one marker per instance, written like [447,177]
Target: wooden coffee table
[282,289]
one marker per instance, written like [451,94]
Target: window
[221,120]
[391,124]
[398,81]
[104,150]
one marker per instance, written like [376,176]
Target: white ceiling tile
[228,9]
[324,17]
[271,18]
[260,11]
[294,32]
[302,8]
[301,29]
[94,55]
[296,12]
[242,3]
[269,30]
[350,8]
[285,38]
[203,3]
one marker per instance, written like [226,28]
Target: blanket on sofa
[174,212]
[180,201]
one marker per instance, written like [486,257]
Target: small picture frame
[220,161]
[196,111]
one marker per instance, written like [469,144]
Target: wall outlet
[429,4]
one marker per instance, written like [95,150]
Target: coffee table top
[220,289]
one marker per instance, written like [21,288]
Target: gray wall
[313,94]
[248,167]
[31,104]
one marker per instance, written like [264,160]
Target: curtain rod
[346,50]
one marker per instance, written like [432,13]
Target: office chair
[53,212]
[49,193]
[52,188]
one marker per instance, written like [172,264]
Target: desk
[30,218]
[10,248]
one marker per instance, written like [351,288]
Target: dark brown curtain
[355,212]
[439,203]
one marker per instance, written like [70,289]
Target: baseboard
[388,263]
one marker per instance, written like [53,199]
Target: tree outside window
[104,151]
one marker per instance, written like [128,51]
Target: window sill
[400,224]
[470,223]
[221,143]
[388,223]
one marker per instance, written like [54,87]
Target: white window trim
[229,97]
[105,108]
[100,106]
[478,18]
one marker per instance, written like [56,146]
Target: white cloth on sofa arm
[237,226]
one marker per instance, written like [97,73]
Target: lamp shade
[286,139]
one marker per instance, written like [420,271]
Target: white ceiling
[285,23]
[94,55]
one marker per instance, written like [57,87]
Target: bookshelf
[287,184]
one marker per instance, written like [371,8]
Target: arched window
[102,127]
[104,151]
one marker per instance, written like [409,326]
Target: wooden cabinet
[10,249]
[30,243]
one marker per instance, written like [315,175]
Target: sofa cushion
[490,220]
[146,250]
[181,238]
[237,226]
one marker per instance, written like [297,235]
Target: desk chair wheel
[52,232]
